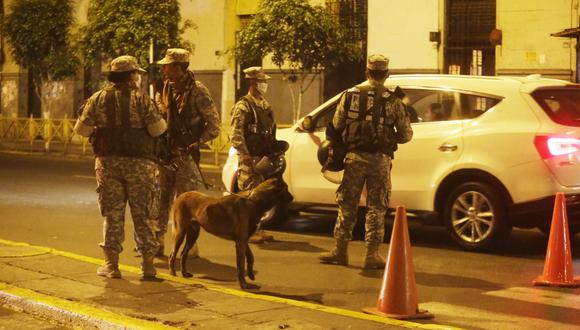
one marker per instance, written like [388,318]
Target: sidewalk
[63,287]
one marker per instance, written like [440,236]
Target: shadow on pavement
[443,281]
[528,243]
[286,246]
[205,269]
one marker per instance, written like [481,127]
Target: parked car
[488,153]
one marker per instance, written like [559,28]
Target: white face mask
[262,87]
[137,80]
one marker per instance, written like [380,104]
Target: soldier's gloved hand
[246,161]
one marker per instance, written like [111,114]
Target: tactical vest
[122,139]
[366,129]
[185,126]
[259,130]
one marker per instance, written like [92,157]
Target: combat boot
[111,267]
[338,255]
[160,251]
[148,267]
[373,260]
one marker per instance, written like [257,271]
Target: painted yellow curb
[245,294]
[87,312]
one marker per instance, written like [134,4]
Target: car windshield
[561,104]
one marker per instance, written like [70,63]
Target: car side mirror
[306,124]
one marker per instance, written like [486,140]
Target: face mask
[137,81]
[262,87]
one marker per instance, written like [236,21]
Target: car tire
[475,216]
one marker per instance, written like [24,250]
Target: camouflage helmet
[175,55]
[125,63]
[255,72]
[377,62]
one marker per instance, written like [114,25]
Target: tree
[302,40]
[120,27]
[38,32]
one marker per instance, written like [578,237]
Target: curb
[61,311]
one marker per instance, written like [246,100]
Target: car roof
[502,86]
[497,85]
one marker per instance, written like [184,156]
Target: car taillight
[551,146]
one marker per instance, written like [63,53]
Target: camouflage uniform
[365,166]
[253,132]
[245,110]
[122,178]
[193,101]
[374,169]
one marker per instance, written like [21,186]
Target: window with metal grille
[467,48]
[353,15]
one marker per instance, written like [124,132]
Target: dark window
[324,117]
[441,105]
[562,105]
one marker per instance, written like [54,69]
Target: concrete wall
[527,45]
[400,30]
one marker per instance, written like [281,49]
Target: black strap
[378,105]
[362,102]
[246,98]
[112,109]
[125,103]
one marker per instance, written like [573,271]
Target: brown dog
[233,217]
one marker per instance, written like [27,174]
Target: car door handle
[447,147]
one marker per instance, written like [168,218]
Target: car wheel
[475,216]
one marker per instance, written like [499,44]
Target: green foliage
[302,40]
[120,27]
[299,36]
[38,33]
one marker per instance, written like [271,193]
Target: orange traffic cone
[398,297]
[558,270]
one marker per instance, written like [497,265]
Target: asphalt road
[51,201]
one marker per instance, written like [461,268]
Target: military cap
[377,62]
[175,55]
[255,72]
[125,63]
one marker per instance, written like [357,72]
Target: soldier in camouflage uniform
[123,124]
[192,120]
[253,131]
[371,120]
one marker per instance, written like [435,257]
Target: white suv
[488,153]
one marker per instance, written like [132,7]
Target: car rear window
[561,104]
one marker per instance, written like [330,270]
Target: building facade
[490,37]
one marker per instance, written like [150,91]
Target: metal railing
[51,132]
